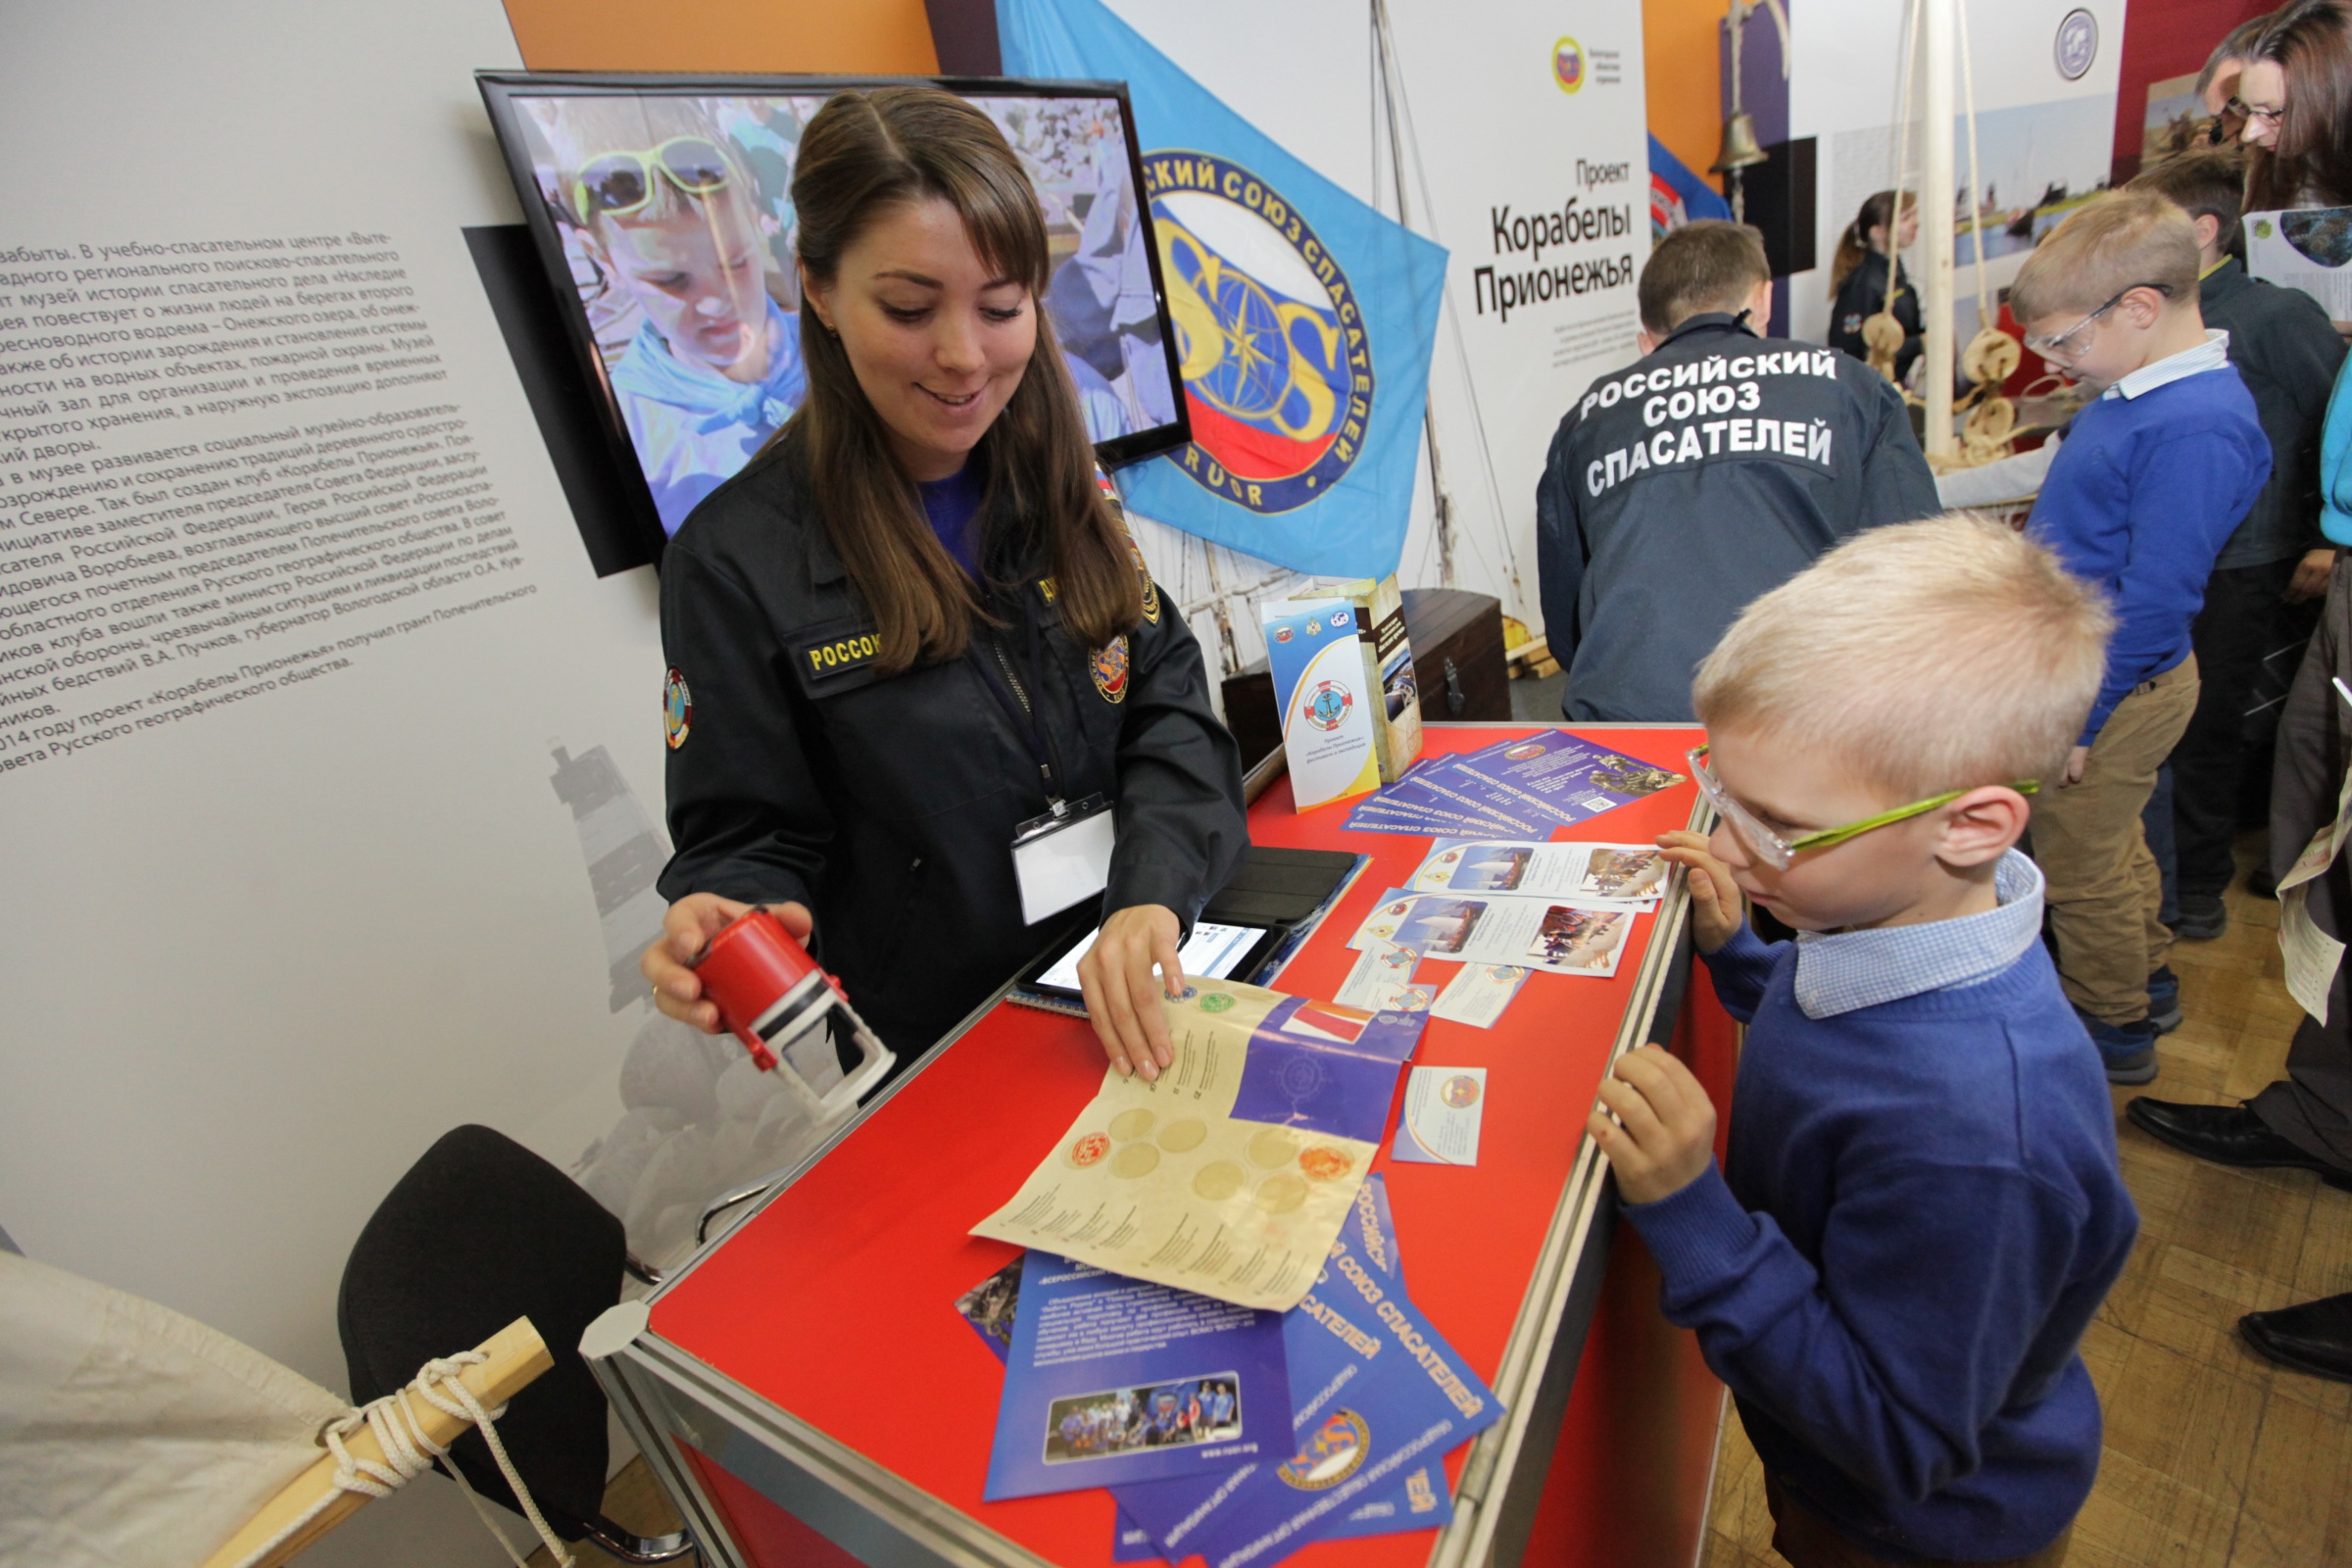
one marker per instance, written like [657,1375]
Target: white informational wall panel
[293,620]
[1496,128]
[2045,76]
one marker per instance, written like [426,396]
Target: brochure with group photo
[1111,1380]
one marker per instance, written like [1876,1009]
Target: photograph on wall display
[667,209]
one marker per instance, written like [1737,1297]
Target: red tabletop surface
[835,1302]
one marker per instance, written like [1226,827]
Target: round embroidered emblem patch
[1109,669]
[678,709]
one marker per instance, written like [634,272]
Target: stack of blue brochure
[1235,1435]
[1521,788]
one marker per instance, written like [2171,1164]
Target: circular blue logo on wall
[2078,43]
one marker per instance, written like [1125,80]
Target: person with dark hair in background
[2288,358]
[1712,471]
[2216,83]
[2294,91]
[1867,276]
[915,622]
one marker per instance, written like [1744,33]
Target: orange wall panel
[879,37]
[1680,46]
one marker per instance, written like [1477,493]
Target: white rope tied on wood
[408,1453]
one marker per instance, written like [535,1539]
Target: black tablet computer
[1213,951]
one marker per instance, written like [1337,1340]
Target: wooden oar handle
[516,1356]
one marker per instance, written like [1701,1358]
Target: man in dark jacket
[2281,343]
[1713,471]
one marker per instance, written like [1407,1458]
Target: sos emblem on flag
[1277,367]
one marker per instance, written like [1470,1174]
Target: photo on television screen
[663,212]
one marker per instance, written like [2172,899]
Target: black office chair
[480,1232]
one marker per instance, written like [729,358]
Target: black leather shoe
[2315,1337]
[2227,1135]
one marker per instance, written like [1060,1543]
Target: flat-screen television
[687,325]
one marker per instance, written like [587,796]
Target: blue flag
[1304,318]
[1676,195]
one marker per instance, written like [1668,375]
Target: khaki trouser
[1808,1540]
[2104,889]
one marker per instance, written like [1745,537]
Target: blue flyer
[1413,795]
[1562,776]
[1111,1380]
[1379,1399]
[1441,789]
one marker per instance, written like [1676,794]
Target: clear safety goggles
[2068,346]
[1778,852]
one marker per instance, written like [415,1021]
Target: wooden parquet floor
[2214,1457]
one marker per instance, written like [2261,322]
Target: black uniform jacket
[2288,355]
[888,805]
[1862,297]
[1699,477]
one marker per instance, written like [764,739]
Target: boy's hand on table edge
[1717,909]
[1661,1137]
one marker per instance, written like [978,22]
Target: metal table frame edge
[841,1493]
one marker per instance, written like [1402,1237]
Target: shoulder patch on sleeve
[1142,570]
[677,709]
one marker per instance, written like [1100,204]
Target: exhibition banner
[1530,161]
[2045,79]
[1305,320]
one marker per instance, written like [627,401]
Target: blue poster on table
[1562,776]
[1380,1401]
[1109,1379]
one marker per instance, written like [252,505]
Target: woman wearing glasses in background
[2294,93]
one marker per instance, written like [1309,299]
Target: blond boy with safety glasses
[1920,1210]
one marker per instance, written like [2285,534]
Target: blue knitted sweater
[1919,1215]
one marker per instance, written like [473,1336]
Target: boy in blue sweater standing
[2152,479]
[1920,1210]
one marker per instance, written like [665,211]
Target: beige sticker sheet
[1161,1181]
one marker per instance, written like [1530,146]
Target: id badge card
[1061,858]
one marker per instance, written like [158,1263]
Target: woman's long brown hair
[861,154]
[2311,43]
[1855,243]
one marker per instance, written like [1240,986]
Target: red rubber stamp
[783,1005]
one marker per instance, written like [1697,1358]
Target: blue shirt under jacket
[2152,481]
[1920,1213]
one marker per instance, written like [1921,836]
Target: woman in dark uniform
[915,621]
[1859,279]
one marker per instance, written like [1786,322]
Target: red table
[810,1395]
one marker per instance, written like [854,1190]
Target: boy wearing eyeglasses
[667,217]
[1920,1208]
[2154,476]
